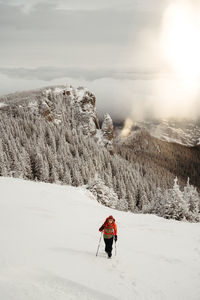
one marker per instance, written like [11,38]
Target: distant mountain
[184,132]
[153,153]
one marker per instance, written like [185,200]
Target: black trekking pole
[99,244]
[115,249]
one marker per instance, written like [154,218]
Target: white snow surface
[48,240]
[58,91]
[3,104]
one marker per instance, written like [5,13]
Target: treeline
[176,203]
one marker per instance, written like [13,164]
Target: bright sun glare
[181,42]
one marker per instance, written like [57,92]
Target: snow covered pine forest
[54,135]
[49,232]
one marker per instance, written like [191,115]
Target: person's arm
[102,228]
[115,231]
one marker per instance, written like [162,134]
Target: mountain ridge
[185,132]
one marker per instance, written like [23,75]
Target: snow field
[49,237]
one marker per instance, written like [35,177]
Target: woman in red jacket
[109,229]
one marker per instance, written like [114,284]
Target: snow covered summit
[49,236]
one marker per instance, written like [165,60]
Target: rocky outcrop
[46,109]
[108,133]
[84,103]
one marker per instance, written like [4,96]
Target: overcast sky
[111,46]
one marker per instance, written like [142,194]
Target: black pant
[108,245]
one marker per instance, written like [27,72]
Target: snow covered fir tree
[176,204]
[55,135]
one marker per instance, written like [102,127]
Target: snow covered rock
[46,108]
[108,132]
[2,104]
[84,103]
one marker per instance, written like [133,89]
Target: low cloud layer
[51,73]
[115,91]
[137,56]
[132,95]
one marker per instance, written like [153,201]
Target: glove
[115,238]
[101,228]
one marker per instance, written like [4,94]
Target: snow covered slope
[182,132]
[49,235]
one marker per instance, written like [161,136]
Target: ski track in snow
[49,237]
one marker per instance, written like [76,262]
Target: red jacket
[109,229]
